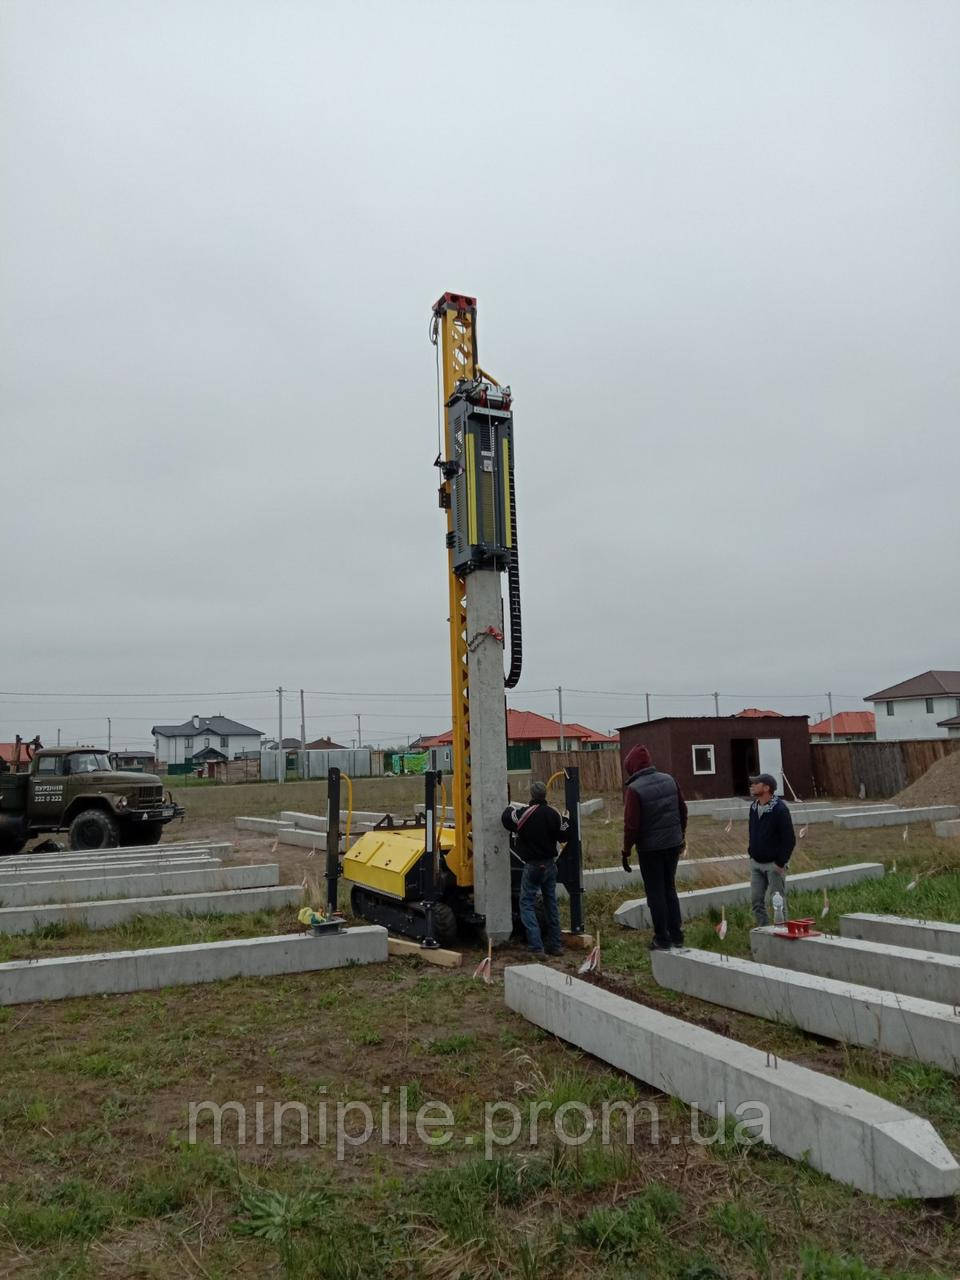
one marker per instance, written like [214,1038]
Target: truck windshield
[89,762]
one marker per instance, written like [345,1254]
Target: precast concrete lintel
[911,972]
[919,1030]
[843,1131]
[688,871]
[105,913]
[113,972]
[696,902]
[947,829]
[86,869]
[902,931]
[897,817]
[140,885]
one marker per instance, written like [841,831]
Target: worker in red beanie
[655,823]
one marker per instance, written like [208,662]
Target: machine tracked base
[407,919]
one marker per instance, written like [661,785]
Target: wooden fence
[882,768]
[600,771]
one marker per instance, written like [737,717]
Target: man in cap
[538,829]
[771,843]
[655,822]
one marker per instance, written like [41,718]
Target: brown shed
[713,756]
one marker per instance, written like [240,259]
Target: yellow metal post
[457,321]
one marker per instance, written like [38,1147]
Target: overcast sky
[715,249]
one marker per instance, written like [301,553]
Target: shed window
[889,708]
[929,702]
[703,759]
[224,743]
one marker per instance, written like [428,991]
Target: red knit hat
[637,758]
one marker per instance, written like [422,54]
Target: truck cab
[77,789]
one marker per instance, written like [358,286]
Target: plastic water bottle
[778,913]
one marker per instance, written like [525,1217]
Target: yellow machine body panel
[381,860]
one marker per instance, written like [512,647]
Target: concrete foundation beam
[314,822]
[901,931]
[843,1131]
[903,1026]
[104,914]
[687,871]
[897,817]
[109,972]
[589,807]
[910,972]
[88,869]
[269,826]
[634,914]
[948,829]
[140,885]
[123,852]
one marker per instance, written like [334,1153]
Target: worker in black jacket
[538,829]
[771,843]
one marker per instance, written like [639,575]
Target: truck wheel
[93,829]
[143,833]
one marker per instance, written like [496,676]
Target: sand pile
[939,785]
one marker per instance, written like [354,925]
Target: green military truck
[76,789]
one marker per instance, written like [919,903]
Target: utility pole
[109,733]
[563,740]
[359,734]
[647,696]
[833,734]
[58,737]
[716,705]
[281,754]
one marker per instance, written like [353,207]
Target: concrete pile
[846,1132]
[635,915]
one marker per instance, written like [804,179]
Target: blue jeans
[540,877]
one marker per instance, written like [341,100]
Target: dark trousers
[659,869]
[540,877]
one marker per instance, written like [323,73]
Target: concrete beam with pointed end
[902,931]
[105,913]
[897,817]
[924,974]
[696,902]
[843,1131]
[139,885]
[918,1030]
[89,869]
[113,972]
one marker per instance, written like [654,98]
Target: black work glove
[625,859]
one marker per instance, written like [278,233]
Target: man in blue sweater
[771,843]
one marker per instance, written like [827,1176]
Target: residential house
[845,726]
[920,707]
[712,757]
[204,738]
[143,761]
[325,744]
[538,733]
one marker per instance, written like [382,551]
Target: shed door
[771,759]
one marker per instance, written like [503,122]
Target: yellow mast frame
[456,317]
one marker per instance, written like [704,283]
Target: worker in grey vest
[655,824]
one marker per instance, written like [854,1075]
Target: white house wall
[175,750]
[911,720]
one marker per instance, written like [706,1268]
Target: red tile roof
[754,713]
[847,723]
[528,726]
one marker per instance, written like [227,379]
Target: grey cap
[766,778]
[538,792]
